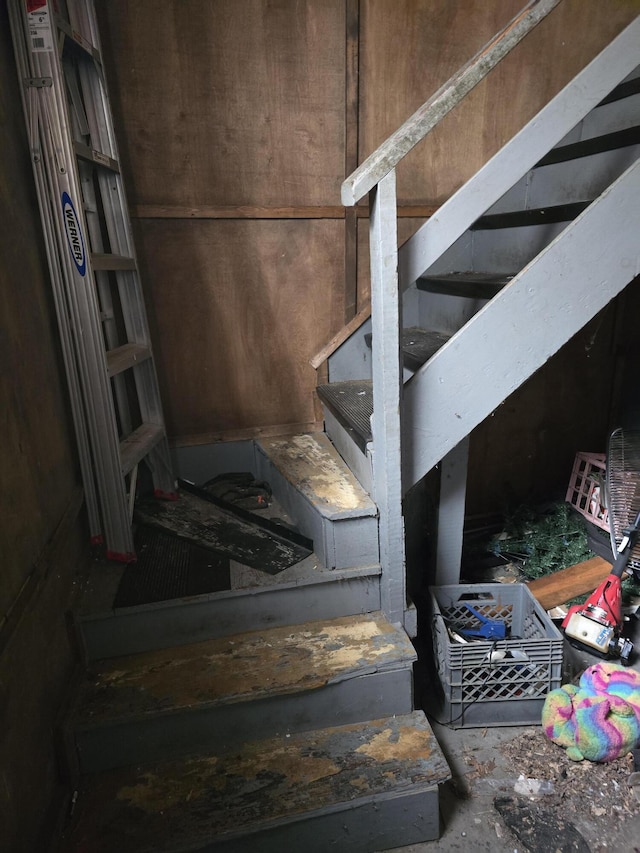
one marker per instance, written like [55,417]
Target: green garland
[543,542]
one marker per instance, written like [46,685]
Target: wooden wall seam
[351,145]
[154,211]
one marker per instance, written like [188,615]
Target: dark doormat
[225,530]
[168,568]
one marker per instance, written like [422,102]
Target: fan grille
[623,487]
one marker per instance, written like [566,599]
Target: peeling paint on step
[244,666]
[311,463]
[180,803]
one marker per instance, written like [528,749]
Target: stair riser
[359,462]
[512,248]
[227,727]
[409,818]
[339,543]
[142,629]
[564,183]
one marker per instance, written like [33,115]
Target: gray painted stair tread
[184,805]
[535,216]
[418,345]
[240,668]
[311,463]
[474,285]
[352,402]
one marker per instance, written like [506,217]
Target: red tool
[597,624]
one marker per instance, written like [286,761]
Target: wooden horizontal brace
[404,211]
[157,211]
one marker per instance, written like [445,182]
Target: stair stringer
[547,303]
[519,155]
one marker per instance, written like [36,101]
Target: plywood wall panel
[224,103]
[36,452]
[239,307]
[411,47]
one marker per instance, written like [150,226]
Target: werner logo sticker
[74,234]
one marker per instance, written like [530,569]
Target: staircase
[278,714]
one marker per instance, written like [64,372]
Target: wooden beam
[174,211]
[553,590]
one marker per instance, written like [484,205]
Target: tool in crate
[487,629]
[597,625]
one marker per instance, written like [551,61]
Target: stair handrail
[387,156]
[377,176]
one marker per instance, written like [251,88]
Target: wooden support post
[453,493]
[387,395]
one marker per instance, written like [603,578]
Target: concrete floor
[471,822]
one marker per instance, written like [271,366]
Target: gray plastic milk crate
[493,682]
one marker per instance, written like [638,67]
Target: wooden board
[239,308]
[569,583]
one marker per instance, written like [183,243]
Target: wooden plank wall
[43,537]
[238,122]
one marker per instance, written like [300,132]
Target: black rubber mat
[168,568]
[352,403]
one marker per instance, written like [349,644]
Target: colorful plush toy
[600,718]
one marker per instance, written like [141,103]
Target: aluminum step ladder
[102,320]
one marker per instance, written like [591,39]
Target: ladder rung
[137,445]
[96,157]
[77,40]
[127,356]
[101,261]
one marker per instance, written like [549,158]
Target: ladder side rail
[60,302]
[117,221]
[61,167]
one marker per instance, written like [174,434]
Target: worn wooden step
[254,601]
[329,672]
[470,284]
[361,787]
[322,495]
[417,345]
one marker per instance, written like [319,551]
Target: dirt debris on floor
[596,799]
